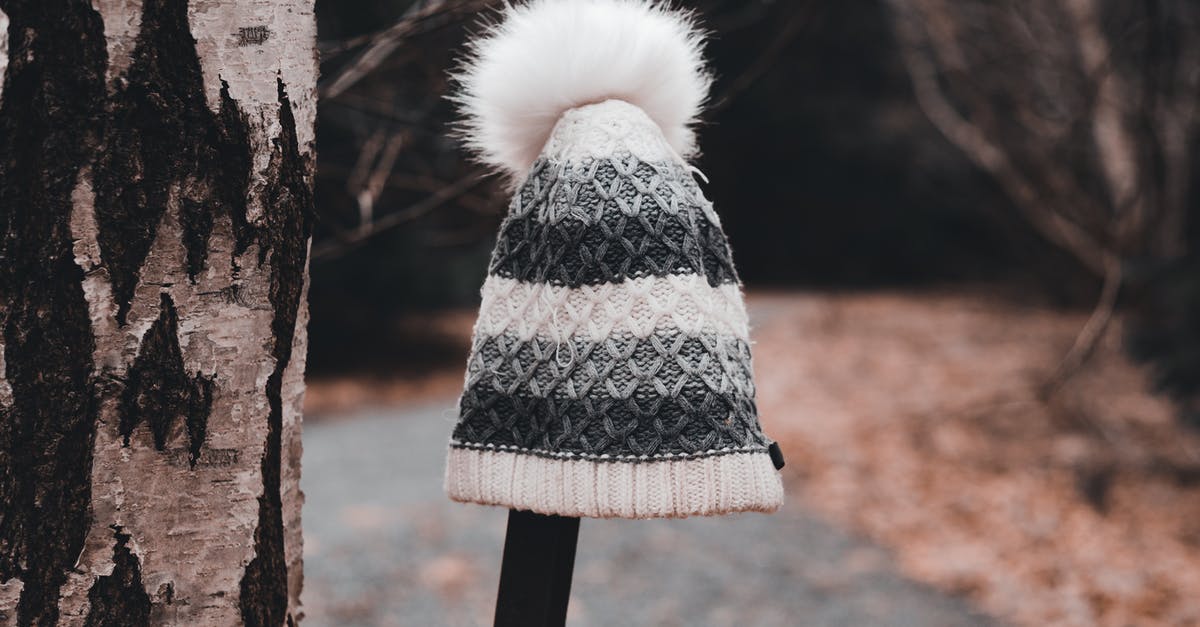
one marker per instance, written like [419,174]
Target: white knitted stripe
[706,486]
[635,307]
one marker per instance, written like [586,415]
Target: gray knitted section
[625,397]
[621,397]
[608,219]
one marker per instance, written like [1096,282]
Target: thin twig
[764,61]
[369,190]
[334,249]
[1093,330]
[382,44]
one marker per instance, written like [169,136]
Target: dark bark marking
[199,408]
[119,599]
[158,389]
[164,145]
[234,153]
[284,241]
[53,95]
[209,457]
[253,35]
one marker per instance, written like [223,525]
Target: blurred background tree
[1083,112]
[1043,149]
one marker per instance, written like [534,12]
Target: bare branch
[764,61]
[366,156]
[1174,122]
[1093,330]
[370,185]
[1115,143]
[381,45]
[335,249]
[969,138]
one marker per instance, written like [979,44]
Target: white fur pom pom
[545,57]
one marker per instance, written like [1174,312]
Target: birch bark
[155,208]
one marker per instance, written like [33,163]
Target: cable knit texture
[610,373]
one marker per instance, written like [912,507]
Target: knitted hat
[609,373]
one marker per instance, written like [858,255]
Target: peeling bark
[155,211]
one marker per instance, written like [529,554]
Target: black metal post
[535,574]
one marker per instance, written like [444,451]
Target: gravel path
[384,547]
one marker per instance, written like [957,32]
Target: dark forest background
[969,234]
[825,169]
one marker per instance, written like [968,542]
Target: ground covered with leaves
[920,421]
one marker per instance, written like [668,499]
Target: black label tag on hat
[776,455]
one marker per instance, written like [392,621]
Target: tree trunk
[155,210]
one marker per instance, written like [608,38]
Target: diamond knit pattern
[612,325]
[608,219]
[635,307]
[623,397]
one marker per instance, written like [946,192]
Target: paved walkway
[384,547]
